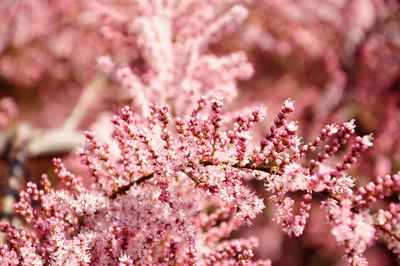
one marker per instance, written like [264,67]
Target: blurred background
[337,59]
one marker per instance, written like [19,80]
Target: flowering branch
[201,153]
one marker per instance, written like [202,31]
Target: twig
[89,94]
[390,233]
[67,137]
[123,189]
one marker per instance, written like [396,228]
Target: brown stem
[325,194]
[123,189]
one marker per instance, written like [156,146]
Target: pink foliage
[180,175]
[175,191]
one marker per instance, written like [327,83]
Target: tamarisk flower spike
[172,38]
[176,192]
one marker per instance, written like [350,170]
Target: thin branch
[123,189]
[381,227]
[144,178]
[16,156]
[65,138]
[88,95]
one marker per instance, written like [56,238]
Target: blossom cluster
[172,38]
[175,183]
[176,191]
[339,59]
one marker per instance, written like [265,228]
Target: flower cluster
[175,183]
[339,59]
[168,199]
[172,38]
[176,191]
